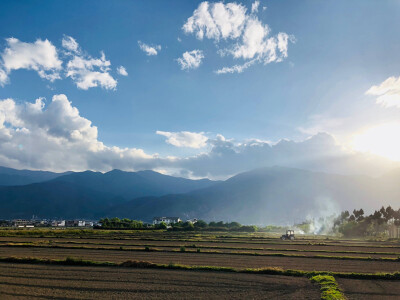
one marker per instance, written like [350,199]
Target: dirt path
[22,281]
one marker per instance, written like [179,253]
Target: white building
[166,220]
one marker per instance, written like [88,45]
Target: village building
[166,220]
[75,223]
[19,223]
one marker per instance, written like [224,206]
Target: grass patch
[329,287]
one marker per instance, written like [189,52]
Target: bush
[162,225]
[183,249]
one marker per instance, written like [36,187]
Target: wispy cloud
[122,71]
[388,92]
[254,6]
[191,60]
[149,50]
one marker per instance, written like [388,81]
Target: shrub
[183,249]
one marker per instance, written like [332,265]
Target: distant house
[19,223]
[166,220]
[56,223]
[75,223]
[394,231]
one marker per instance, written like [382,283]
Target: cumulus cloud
[122,71]
[40,56]
[43,57]
[185,138]
[149,50]
[86,71]
[54,136]
[388,92]
[320,152]
[190,60]
[250,39]
[216,20]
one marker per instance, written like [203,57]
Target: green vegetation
[356,224]
[329,287]
[201,225]
[116,223]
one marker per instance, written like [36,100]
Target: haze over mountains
[275,195]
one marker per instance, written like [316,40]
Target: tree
[200,224]
[162,225]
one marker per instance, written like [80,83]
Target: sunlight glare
[382,140]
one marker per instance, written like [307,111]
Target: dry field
[238,251]
[28,281]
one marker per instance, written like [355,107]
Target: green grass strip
[329,287]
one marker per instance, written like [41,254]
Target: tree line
[375,224]
[116,223]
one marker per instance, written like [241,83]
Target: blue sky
[338,50]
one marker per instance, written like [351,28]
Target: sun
[383,140]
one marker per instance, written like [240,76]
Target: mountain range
[274,195]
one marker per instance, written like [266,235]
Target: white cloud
[55,137]
[388,92]
[217,20]
[40,56]
[250,37]
[88,72]
[254,6]
[185,139]
[70,43]
[149,50]
[122,71]
[236,68]
[3,77]
[191,60]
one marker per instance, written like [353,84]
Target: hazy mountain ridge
[87,194]
[12,177]
[270,196]
[275,195]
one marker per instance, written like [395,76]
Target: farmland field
[235,251]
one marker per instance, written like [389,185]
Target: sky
[200,89]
